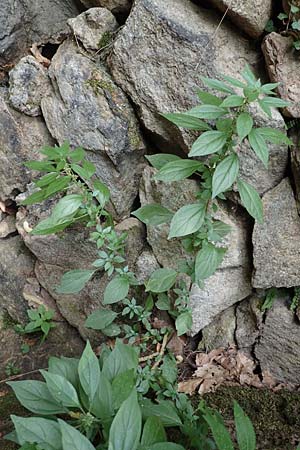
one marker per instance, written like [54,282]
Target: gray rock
[89,110]
[28,83]
[115,6]
[93,27]
[276,249]
[294,135]
[20,138]
[220,332]
[145,265]
[26,22]
[16,265]
[250,15]
[160,53]
[278,350]
[7,226]
[283,66]
[248,322]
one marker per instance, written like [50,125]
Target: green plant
[295,299]
[11,369]
[40,321]
[269,299]
[290,25]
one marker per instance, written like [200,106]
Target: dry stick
[162,351]
[146,358]
[21,375]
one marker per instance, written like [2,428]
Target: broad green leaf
[244,429]
[225,174]
[209,99]
[125,430]
[249,76]
[217,85]
[41,166]
[220,230]
[224,125]
[116,290]
[178,170]
[101,192]
[153,214]
[89,371]
[208,260]
[270,299]
[208,112]
[102,405]
[161,280]
[35,396]
[184,323]
[77,155]
[122,387]
[244,125]
[259,146]
[268,88]
[123,357]
[66,367]
[46,179]
[61,389]
[165,446]
[72,439]
[234,81]
[272,102]
[100,319]
[38,430]
[187,220]
[219,432]
[251,200]
[274,136]
[209,142]
[67,206]
[294,9]
[232,101]
[153,432]
[165,410]
[112,330]
[58,185]
[36,197]
[49,226]
[185,121]
[163,303]
[74,281]
[161,159]
[86,171]
[169,369]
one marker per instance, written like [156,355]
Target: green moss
[105,39]
[275,415]
[97,84]
[7,321]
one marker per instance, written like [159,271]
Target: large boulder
[278,350]
[276,248]
[250,15]
[27,22]
[87,109]
[283,65]
[20,138]
[115,6]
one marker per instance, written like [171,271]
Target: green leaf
[74,281]
[258,144]
[67,206]
[101,192]
[209,142]
[116,290]
[48,226]
[187,220]
[125,430]
[185,121]
[112,330]
[153,214]
[86,171]
[36,197]
[274,136]
[163,302]
[89,371]
[72,439]
[234,81]
[225,174]
[66,367]
[220,230]
[270,299]
[217,85]
[38,430]
[244,429]
[251,200]
[153,432]
[61,389]
[41,166]
[219,432]
[232,101]
[296,25]
[46,179]
[58,185]
[102,406]
[282,16]
[122,387]
[268,88]
[184,323]
[208,260]
[244,125]
[208,112]
[161,159]
[169,370]
[209,99]
[35,396]
[270,102]
[77,155]
[161,280]
[100,319]
[165,410]
[249,76]
[123,357]
[178,170]
[294,9]
[166,446]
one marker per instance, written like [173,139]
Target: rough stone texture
[145,266]
[231,282]
[283,65]
[220,332]
[294,135]
[250,15]
[28,83]
[88,110]
[115,6]
[278,350]
[26,22]
[248,322]
[20,138]
[160,53]
[276,247]
[16,265]
[7,226]
[58,254]
[92,26]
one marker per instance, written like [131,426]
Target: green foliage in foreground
[40,321]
